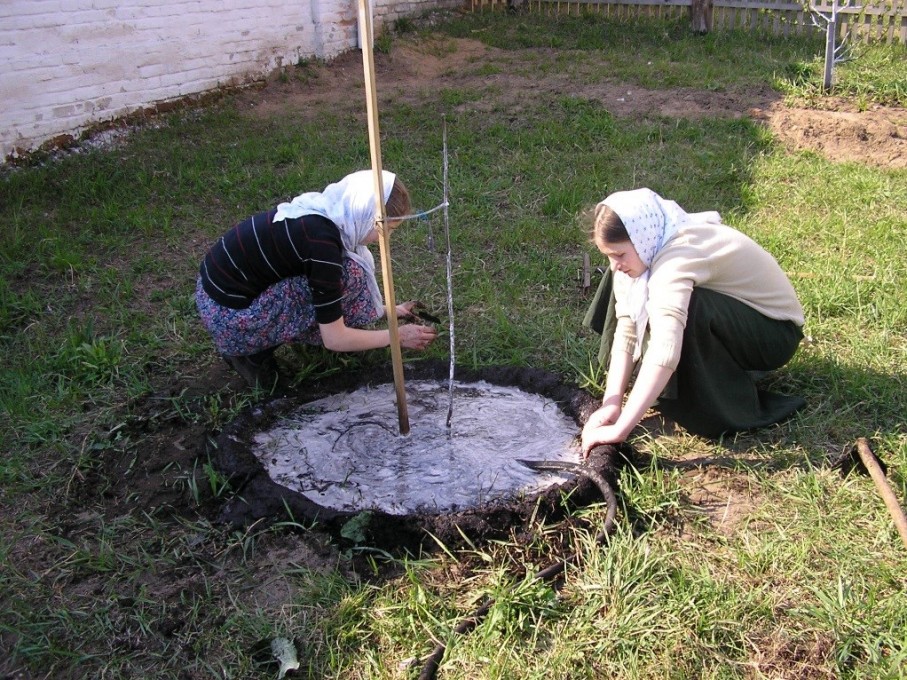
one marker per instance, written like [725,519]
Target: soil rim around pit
[260,499]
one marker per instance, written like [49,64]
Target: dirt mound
[875,137]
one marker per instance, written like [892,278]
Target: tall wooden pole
[374,138]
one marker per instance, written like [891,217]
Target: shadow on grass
[842,405]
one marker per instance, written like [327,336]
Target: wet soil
[261,498]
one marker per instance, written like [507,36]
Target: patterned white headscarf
[651,221]
[350,204]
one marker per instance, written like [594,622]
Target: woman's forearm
[338,337]
[650,383]
[619,370]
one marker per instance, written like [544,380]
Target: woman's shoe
[258,370]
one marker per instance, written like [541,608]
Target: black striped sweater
[258,253]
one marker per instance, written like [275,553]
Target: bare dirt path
[839,131]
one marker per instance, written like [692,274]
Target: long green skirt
[713,391]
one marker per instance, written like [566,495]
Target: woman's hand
[649,384]
[416,336]
[338,337]
[603,434]
[606,415]
[406,309]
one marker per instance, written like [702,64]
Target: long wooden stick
[875,471]
[374,139]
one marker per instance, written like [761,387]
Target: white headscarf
[350,204]
[651,221]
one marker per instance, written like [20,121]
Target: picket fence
[866,21]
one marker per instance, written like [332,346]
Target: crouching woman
[302,273]
[705,308]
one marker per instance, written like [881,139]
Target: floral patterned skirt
[282,314]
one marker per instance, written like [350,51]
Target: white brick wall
[70,64]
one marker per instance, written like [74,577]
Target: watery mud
[487,507]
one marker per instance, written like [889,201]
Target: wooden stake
[374,138]
[875,471]
[587,273]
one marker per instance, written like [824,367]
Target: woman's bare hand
[606,415]
[416,336]
[595,436]
[406,309]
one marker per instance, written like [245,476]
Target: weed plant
[799,574]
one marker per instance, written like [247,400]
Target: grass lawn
[744,558]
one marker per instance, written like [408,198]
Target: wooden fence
[869,21]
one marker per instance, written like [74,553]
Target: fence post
[701,15]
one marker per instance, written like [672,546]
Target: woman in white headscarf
[703,306]
[302,272]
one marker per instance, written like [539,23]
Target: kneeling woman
[715,310]
[302,273]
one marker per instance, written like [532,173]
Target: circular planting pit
[334,455]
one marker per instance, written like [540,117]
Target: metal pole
[450,309]
[830,31]
[374,138]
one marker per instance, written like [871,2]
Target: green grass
[800,575]
[647,53]
[872,74]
